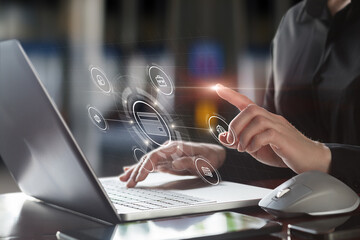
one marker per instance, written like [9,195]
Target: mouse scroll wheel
[281,193]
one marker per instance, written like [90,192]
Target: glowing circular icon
[207,172]
[97,118]
[169,121]
[160,80]
[139,157]
[151,123]
[100,79]
[217,126]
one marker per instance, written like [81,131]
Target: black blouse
[315,85]
[315,80]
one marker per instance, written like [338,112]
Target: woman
[311,114]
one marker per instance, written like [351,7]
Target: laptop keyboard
[145,198]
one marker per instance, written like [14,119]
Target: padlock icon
[220,129]
[100,80]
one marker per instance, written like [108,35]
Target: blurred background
[197,42]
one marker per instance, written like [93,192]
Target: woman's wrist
[324,160]
[318,158]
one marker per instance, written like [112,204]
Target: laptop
[47,163]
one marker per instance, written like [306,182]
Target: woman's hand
[270,138]
[178,158]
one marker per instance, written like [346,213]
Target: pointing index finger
[238,100]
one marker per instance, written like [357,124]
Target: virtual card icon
[151,124]
[100,80]
[207,171]
[161,81]
[220,129]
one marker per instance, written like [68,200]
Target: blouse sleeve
[269,103]
[345,164]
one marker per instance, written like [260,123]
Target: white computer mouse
[314,193]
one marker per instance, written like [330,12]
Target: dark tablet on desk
[337,227]
[221,225]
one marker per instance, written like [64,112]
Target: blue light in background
[206,59]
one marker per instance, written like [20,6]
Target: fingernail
[248,149]
[240,148]
[229,138]
[218,85]
[138,175]
[130,183]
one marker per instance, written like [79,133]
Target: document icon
[207,171]
[151,124]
